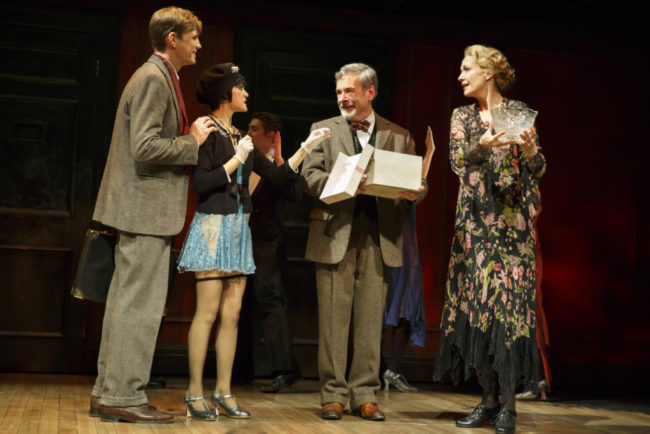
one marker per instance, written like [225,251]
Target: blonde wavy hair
[492,60]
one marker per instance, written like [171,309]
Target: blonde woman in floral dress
[488,320]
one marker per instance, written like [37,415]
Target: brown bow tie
[363,125]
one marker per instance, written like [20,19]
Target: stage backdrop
[588,84]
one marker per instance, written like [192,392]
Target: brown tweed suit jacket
[331,225]
[144,187]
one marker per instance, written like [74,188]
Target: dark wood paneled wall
[588,84]
[57,96]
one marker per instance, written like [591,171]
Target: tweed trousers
[134,308]
[352,290]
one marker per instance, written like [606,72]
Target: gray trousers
[134,308]
[354,288]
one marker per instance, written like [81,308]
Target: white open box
[392,172]
[345,177]
[388,174]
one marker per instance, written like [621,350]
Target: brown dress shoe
[370,411]
[331,411]
[144,413]
[94,407]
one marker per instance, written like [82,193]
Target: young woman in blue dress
[218,245]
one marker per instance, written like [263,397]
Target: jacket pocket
[152,171]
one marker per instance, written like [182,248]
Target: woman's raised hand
[244,147]
[428,141]
[315,137]
[489,140]
[431,147]
[529,142]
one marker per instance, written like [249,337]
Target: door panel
[57,102]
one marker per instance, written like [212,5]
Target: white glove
[315,137]
[244,147]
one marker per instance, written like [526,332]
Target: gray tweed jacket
[331,225]
[145,184]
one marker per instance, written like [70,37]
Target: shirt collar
[371,119]
[170,63]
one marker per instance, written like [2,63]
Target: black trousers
[272,304]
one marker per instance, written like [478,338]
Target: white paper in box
[345,177]
[392,172]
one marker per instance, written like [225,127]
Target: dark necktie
[363,126]
[184,126]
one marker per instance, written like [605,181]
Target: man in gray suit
[353,242]
[143,195]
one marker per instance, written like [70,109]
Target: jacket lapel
[341,135]
[383,140]
[170,84]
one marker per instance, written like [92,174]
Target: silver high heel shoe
[234,412]
[397,380]
[532,391]
[192,411]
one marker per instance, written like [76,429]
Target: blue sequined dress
[218,242]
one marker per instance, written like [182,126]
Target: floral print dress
[489,312]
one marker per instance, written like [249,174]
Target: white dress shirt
[363,136]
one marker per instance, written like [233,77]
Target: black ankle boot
[479,416]
[504,422]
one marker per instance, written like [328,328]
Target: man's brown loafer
[144,413]
[370,411]
[331,411]
[94,407]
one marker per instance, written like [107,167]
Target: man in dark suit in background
[353,242]
[143,195]
[267,232]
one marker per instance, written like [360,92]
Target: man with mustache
[353,242]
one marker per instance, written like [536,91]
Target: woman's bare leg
[208,299]
[227,326]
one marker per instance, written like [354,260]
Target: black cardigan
[216,194]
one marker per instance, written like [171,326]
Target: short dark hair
[216,83]
[270,122]
[171,19]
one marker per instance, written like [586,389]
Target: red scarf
[183,125]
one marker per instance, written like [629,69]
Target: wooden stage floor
[46,403]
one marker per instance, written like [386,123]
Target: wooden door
[57,103]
